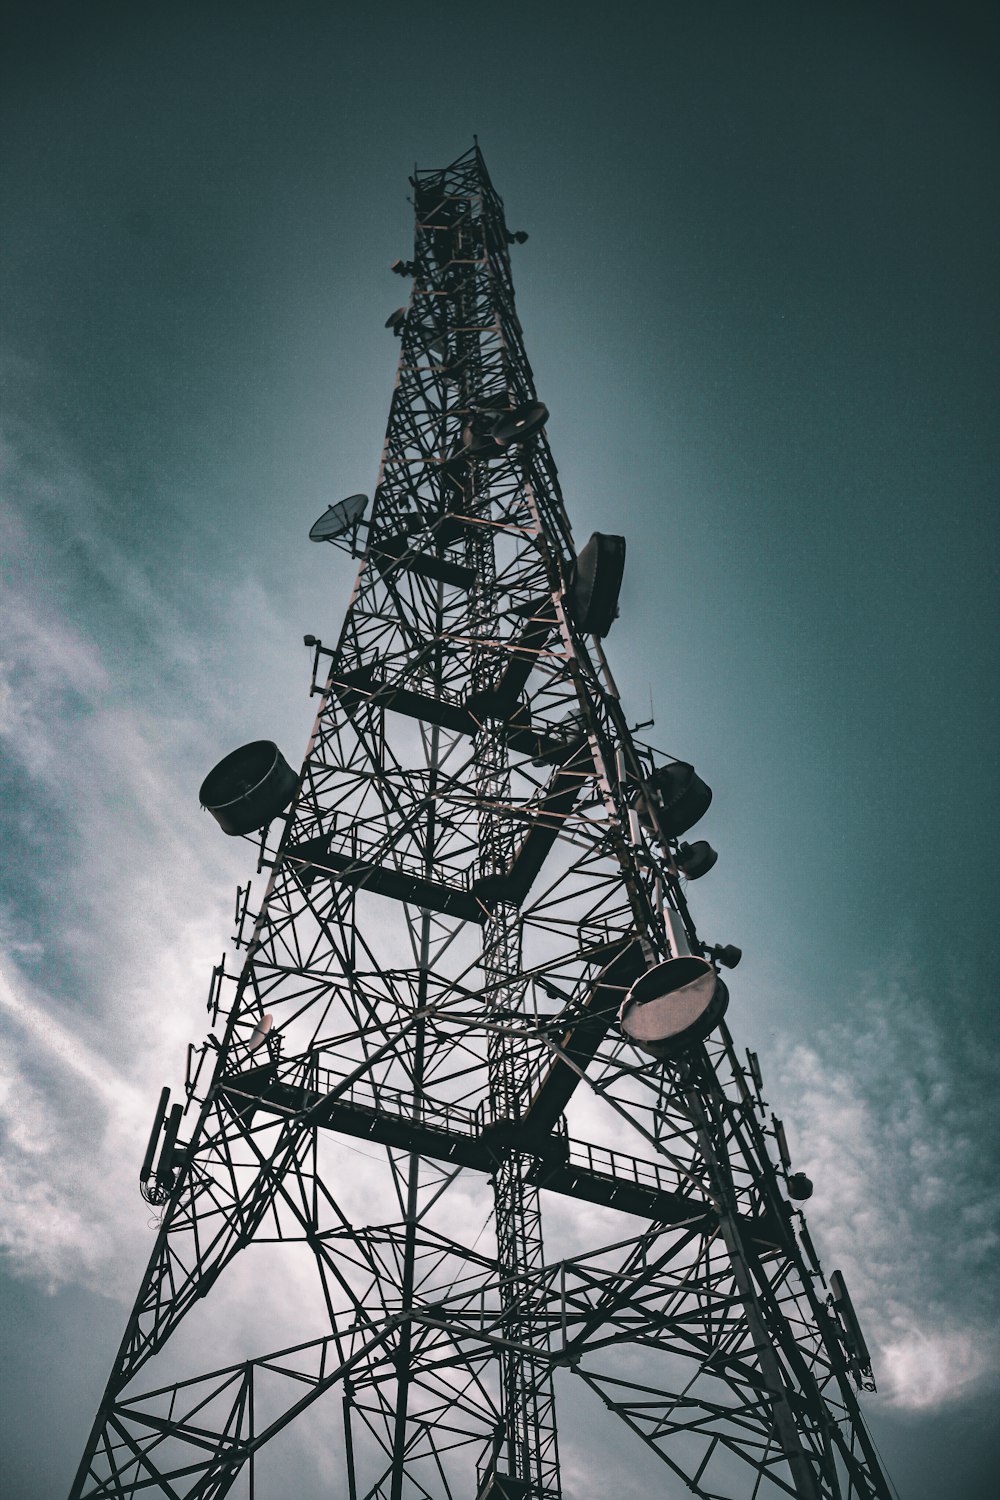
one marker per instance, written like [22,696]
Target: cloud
[111,908]
[115,889]
[59,1043]
[884,1111]
[928,1370]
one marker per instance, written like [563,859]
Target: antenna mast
[474,955]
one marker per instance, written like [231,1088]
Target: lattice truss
[457,900]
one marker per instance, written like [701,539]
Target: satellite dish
[682,798]
[249,787]
[520,424]
[338,519]
[695,860]
[673,1006]
[596,583]
[260,1032]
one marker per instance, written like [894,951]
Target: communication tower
[474,957]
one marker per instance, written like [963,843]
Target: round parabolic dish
[337,519]
[249,787]
[520,424]
[673,1006]
[260,1032]
[685,798]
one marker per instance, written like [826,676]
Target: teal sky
[760,299]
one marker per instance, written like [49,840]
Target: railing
[377,852]
[381,1098]
[616,1166]
[405,676]
[442,1115]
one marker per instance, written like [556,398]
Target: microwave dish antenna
[337,520]
[260,1033]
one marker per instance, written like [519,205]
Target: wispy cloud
[113,899]
[887,1111]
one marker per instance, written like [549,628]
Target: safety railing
[368,1094]
[616,1166]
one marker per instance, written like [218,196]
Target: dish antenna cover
[519,425]
[673,1006]
[249,787]
[596,583]
[680,799]
[695,860]
[338,519]
[260,1032]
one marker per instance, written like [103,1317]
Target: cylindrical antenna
[164,1171]
[154,1135]
[676,935]
[845,1307]
[779,1136]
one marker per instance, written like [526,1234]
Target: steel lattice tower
[476,866]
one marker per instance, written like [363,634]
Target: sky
[760,300]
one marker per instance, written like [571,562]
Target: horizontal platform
[630,1186]
[545,815]
[396,552]
[363,686]
[317,861]
[451,1134]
